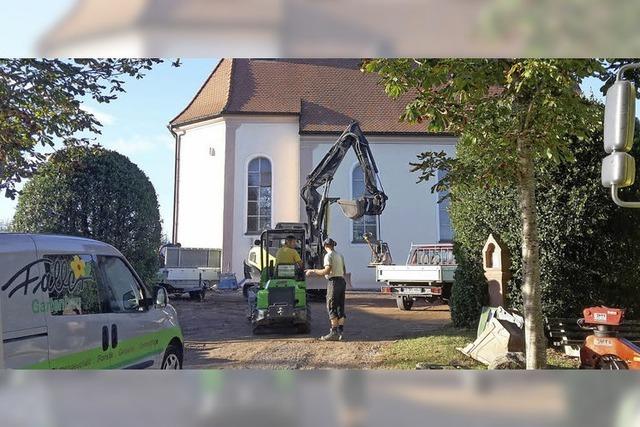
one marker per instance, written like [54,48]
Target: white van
[75,303]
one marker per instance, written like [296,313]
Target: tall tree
[41,104]
[510,115]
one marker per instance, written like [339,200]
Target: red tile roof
[326,94]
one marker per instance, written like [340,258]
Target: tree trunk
[535,342]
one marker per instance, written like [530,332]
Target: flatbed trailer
[428,275]
[189,270]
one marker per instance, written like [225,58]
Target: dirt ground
[218,335]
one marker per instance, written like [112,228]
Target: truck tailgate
[415,273]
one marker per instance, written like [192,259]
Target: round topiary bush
[96,193]
[590,248]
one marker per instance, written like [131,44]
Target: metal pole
[176,182]
[625,68]
[618,201]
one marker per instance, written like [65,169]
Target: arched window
[258,195]
[368,223]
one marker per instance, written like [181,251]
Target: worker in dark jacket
[334,270]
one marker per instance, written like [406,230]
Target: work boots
[331,336]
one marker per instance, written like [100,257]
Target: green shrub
[95,193]
[589,247]
[470,292]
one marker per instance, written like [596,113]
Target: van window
[123,291]
[72,286]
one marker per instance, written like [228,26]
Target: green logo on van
[55,305]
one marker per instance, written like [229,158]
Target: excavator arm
[317,203]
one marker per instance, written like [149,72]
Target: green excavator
[280,297]
[260,265]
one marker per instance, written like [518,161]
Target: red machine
[604,349]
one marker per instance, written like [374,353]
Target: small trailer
[428,275]
[189,270]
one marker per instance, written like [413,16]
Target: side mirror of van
[161,297]
[618,168]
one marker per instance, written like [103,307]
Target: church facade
[254,131]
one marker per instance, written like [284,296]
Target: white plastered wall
[201,182]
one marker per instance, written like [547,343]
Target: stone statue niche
[496,262]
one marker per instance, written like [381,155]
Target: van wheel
[172,358]
[404,303]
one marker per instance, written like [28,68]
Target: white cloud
[140,144]
[104,118]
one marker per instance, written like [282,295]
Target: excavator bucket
[352,209]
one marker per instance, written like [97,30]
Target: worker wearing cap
[334,270]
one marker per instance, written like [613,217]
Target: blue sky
[136,124]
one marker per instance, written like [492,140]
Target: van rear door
[23,325]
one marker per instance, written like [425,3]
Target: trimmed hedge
[589,247]
[469,292]
[96,193]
